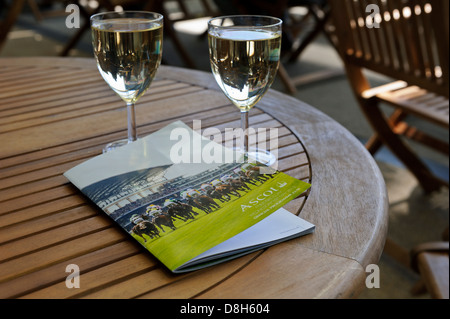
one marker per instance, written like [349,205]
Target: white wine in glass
[245,54]
[128,49]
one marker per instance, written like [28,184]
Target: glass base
[260,155]
[113,145]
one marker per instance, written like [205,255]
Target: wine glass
[128,49]
[244,53]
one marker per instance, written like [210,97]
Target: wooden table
[57,112]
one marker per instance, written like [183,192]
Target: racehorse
[226,190]
[239,184]
[260,173]
[145,228]
[244,178]
[203,202]
[181,211]
[161,219]
[216,195]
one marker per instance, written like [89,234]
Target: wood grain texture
[58,112]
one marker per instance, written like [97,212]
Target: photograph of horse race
[189,204]
[179,217]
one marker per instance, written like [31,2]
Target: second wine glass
[244,52]
[128,49]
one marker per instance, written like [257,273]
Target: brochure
[186,209]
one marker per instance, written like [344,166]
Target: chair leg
[375,143]
[75,39]
[376,118]
[286,79]
[35,9]
[397,252]
[80,32]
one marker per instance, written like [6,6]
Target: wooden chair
[10,15]
[431,261]
[410,45]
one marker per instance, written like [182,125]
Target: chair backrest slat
[431,60]
[397,31]
[365,34]
[386,38]
[418,39]
[410,42]
[440,21]
[383,55]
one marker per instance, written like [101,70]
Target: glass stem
[132,133]
[244,138]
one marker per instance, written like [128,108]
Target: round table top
[58,112]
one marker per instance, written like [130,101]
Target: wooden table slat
[68,111]
[49,256]
[52,194]
[104,276]
[62,234]
[28,227]
[17,89]
[26,102]
[208,118]
[14,78]
[40,210]
[37,280]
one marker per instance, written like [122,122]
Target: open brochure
[191,213]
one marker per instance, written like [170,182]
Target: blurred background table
[58,112]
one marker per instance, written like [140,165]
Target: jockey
[152,211]
[136,219]
[206,188]
[184,194]
[153,207]
[169,202]
[226,179]
[193,193]
[216,182]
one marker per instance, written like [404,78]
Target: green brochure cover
[191,213]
